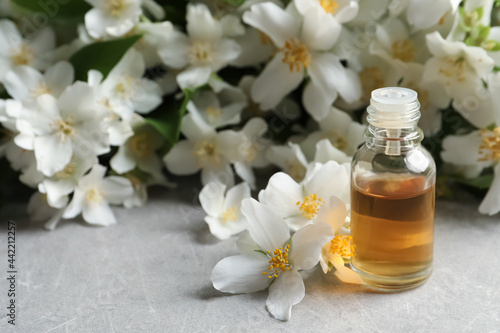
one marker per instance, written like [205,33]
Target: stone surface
[151,273]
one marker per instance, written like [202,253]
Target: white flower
[140,151]
[224,216]
[203,52]
[256,48]
[221,109]
[300,203]
[253,149]
[460,69]
[112,17]
[15,51]
[470,18]
[478,149]
[152,36]
[432,97]
[64,182]
[290,159]
[125,90]
[421,17]
[94,194]
[26,84]
[270,258]
[342,132]
[342,10]
[205,149]
[301,46]
[61,127]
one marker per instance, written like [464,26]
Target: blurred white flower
[205,149]
[15,50]
[300,203]
[253,150]
[479,149]
[93,195]
[256,48]
[26,84]
[271,258]
[422,14]
[112,17]
[301,46]
[432,97]
[289,158]
[64,126]
[140,151]
[343,133]
[125,90]
[152,36]
[460,69]
[200,53]
[221,109]
[224,216]
[342,10]
[64,182]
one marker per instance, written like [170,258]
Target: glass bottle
[392,195]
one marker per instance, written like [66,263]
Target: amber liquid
[392,226]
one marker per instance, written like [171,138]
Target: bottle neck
[393,125]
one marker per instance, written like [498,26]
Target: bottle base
[392,284]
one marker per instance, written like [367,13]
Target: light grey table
[151,273]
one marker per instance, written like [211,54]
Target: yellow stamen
[40,90]
[295,55]
[141,144]
[310,206]
[22,56]
[64,128]
[404,50]
[338,140]
[67,172]
[490,145]
[279,262]
[295,170]
[200,53]
[214,113]
[94,196]
[453,68]
[115,7]
[342,245]
[264,39]
[330,6]
[230,215]
[207,151]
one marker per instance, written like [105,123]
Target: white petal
[273,21]
[75,206]
[52,154]
[316,102]
[174,51]
[123,161]
[333,212]
[240,274]
[307,243]
[200,23]
[462,149]
[193,77]
[419,15]
[231,25]
[98,213]
[181,160]
[116,189]
[343,273]
[325,152]
[286,291]
[266,227]
[491,202]
[195,129]
[226,51]
[246,173]
[93,23]
[221,172]
[236,194]
[58,77]
[212,198]
[274,83]
[338,181]
[22,81]
[282,193]
[320,31]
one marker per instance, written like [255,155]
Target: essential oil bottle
[392,195]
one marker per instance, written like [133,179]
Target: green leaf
[234,3]
[62,11]
[481,182]
[168,122]
[102,56]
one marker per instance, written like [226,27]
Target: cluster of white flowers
[93,116]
